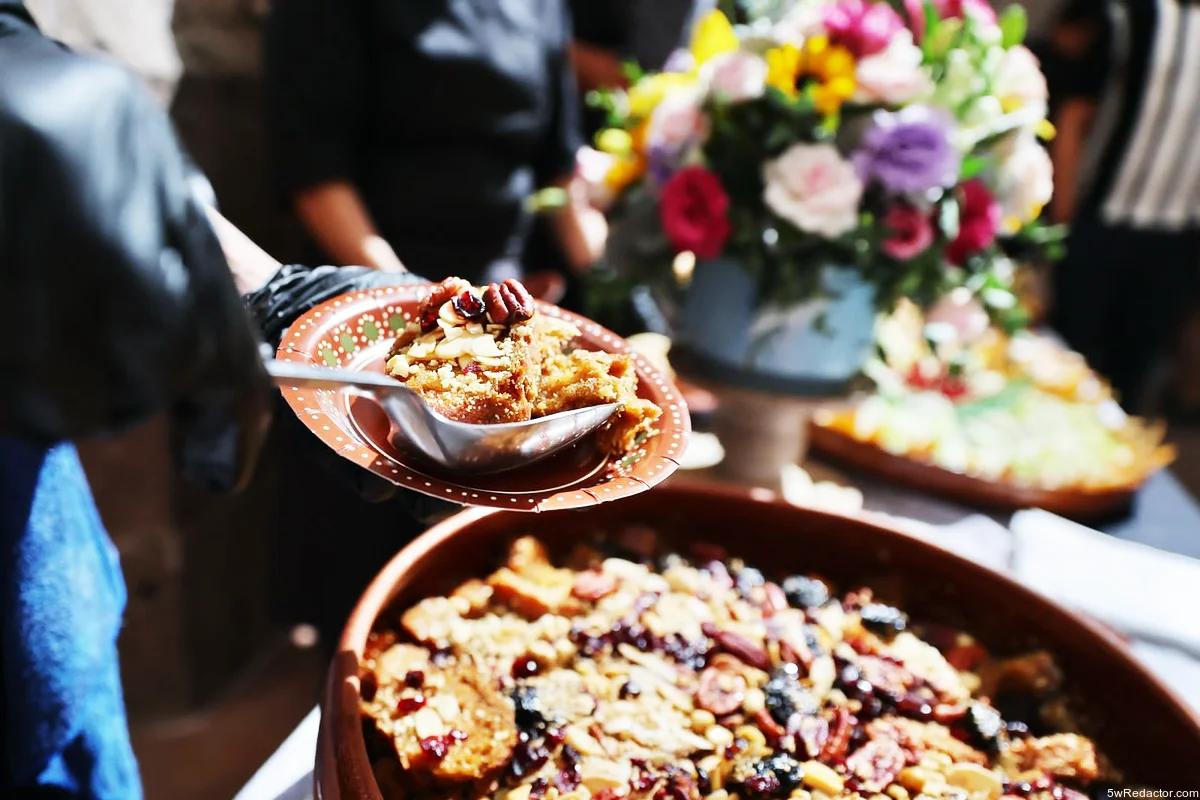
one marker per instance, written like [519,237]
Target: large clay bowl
[1147,731]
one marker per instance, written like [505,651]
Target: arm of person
[336,217]
[576,226]
[597,67]
[315,111]
[1073,121]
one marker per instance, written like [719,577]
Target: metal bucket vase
[778,349]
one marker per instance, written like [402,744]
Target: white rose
[677,122]
[960,82]
[895,75]
[736,77]
[805,19]
[814,188]
[1019,80]
[1025,179]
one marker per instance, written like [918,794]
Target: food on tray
[1019,408]
[486,356]
[654,676]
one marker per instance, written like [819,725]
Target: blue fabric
[63,596]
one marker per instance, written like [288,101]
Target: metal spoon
[458,446]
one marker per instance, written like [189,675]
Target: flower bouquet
[834,146]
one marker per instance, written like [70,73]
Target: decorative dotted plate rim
[331,333]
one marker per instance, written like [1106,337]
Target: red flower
[694,210]
[980,10]
[979,218]
[912,232]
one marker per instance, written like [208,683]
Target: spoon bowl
[457,446]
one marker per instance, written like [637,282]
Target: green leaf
[972,166]
[1013,25]
[633,72]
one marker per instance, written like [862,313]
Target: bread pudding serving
[630,673]
[487,356]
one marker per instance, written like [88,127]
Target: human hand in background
[118,303]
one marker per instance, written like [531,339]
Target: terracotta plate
[355,331]
[967,490]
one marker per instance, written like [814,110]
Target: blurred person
[135,32]
[219,112]
[413,134]
[1127,176]
[118,305]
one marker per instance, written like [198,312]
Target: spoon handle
[290,373]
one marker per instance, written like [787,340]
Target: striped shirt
[1143,158]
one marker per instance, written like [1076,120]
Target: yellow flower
[1046,130]
[1010,103]
[831,66]
[783,68]
[712,36]
[624,172]
[647,93]
[615,141]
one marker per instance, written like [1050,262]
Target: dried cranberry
[763,784]
[537,789]
[839,736]
[883,620]
[407,705]
[571,774]
[414,679]
[527,758]
[429,319]
[915,706]
[435,746]
[720,692]
[606,794]
[468,305]
[555,737]
[457,735]
[813,733]
[525,667]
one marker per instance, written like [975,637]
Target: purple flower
[909,150]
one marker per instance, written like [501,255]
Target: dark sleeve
[118,302]
[295,289]
[314,73]
[603,23]
[564,136]
[1081,50]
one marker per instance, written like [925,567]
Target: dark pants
[1121,297]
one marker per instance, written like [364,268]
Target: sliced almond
[428,723]
[979,782]
[599,774]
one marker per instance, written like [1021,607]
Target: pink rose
[979,10]
[814,188]
[863,27]
[736,77]
[677,122]
[962,313]
[912,232]
[893,76]
[979,218]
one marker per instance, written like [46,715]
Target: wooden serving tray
[967,490]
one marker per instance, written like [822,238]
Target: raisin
[883,620]
[529,708]
[985,728]
[804,592]
[414,679]
[629,689]
[435,746]
[407,705]
[468,305]
[525,667]
[785,696]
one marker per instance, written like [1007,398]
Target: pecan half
[840,729]
[753,654]
[876,764]
[508,303]
[720,691]
[440,295]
